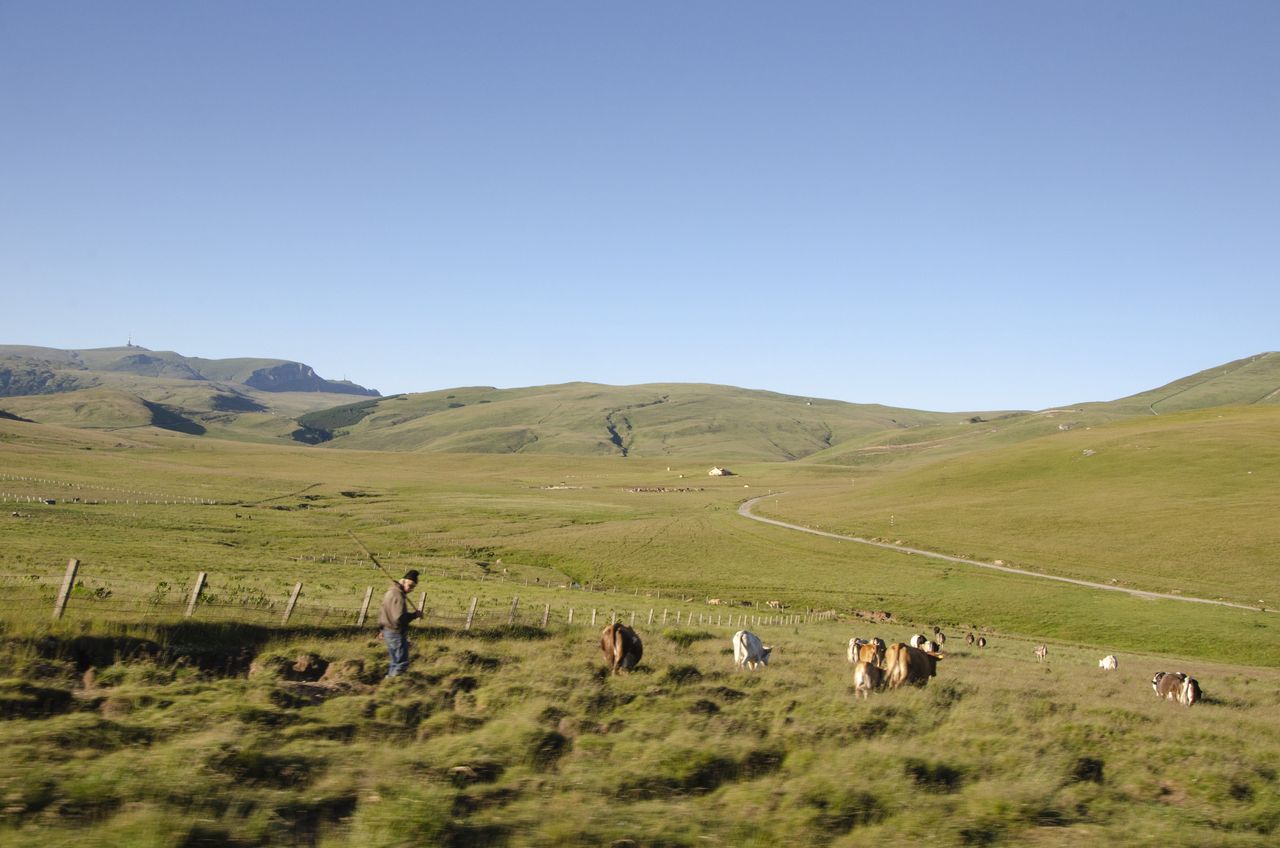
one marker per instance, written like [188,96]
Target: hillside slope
[662,419]
[1169,503]
[82,368]
[115,388]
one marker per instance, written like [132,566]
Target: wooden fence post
[293,600]
[664,616]
[593,617]
[73,565]
[422,605]
[364,608]
[633,618]
[195,594]
[650,616]
[471,614]
[546,614]
[511,618]
[613,616]
[571,615]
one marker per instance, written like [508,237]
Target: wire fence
[83,595]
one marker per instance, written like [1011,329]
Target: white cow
[748,651]
[917,640]
[1109,663]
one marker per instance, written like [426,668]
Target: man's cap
[411,574]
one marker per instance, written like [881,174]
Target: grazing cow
[982,641]
[621,647]
[931,647]
[939,636]
[905,664]
[917,640]
[1109,663]
[968,639]
[862,651]
[748,651]
[1042,653]
[1176,686]
[866,677]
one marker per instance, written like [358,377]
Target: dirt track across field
[745,511]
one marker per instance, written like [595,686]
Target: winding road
[745,511]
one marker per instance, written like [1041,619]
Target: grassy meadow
[202,732]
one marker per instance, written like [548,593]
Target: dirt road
[745,511]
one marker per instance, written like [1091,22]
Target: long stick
[408,603]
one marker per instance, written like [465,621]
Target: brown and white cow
[864,651]
[1042,652]
[917,640]
[968,639]
[621,647]
[1109,663]
[867,677]
[982,641]
[1176,686]
[905,664]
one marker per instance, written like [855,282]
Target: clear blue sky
[951,206]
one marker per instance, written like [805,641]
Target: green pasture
[1180,504]
[498,527]
[517,737]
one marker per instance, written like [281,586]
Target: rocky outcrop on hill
[27,370]
[296,377]
[31,377]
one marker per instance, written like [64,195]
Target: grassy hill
[1169,503]
[656,420]
[112,388]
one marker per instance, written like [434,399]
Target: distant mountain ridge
[271,400]
[29,370]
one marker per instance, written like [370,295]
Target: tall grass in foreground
[514,737]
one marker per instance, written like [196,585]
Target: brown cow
[905,664]
[862,651]
[621,647]
[866,677]
[1176,686]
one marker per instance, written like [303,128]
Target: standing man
[393,617]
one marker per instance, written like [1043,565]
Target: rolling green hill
[114,388]
[656,420]
[79,366]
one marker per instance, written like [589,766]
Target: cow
[1176,686]
[1042,653]
[863,651]
[982,641]
[930,647]
[905,664]
[621,647]
[1109,663]
[939,636]
[748,651]
[968,639]
[866,677]
[917,640]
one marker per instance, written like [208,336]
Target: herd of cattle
[875,664]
